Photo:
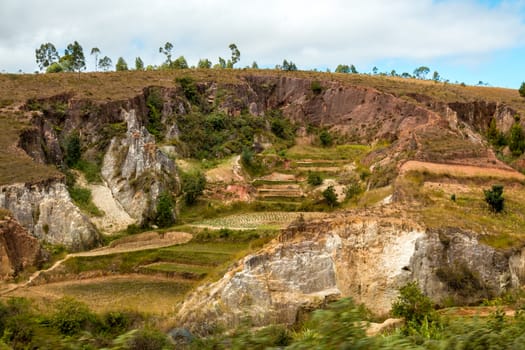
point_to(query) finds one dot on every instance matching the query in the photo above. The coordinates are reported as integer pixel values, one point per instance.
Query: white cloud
(311, 33)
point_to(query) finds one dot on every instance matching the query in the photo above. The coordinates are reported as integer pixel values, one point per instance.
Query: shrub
(164, 216)
(516, 140)
(494, 198)
(72, 150)
(339, 326)
(154, 103)
(71, 316)
(316, 87)
(416, 308)
(522, 89)
(189, 89)
(193, 185)
(326, 138)
(330, 196)
(314, 179)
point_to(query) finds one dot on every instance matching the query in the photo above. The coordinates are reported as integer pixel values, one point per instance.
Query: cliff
(367, 256)
(18, 249)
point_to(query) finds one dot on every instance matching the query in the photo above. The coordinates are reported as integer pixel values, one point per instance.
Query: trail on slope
(156, 240)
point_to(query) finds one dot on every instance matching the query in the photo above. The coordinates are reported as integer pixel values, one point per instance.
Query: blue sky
(464, 40)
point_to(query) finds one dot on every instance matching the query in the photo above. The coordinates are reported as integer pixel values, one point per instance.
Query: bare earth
(461, 170)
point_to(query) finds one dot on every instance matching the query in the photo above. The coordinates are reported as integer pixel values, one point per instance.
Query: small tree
(421, 72)
(179, 63)
(255, 65)
(516, 139)
(121, 65)
(165, 206)
(436, 77)
(330, 196)
(289, 66)
(139, 64)
(72, 150)
(314, 179)
(166, 50)
(73, 58)
(236, 55)
(342, 68)
(415, 307)
(522, 89)
(95, 51)
(105, 63)
(494, 198)
(326, 138)
(46, 55)
(204, 64)
(193, 185)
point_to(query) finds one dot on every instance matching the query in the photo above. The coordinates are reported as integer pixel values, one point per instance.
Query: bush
(339, 326)
(164, 216)
(326, 138)
(193, 185)
(314, 179)
(82, 198)
(416, 308)
(494, 198)
(189, 89)
(316, 87)
(71, 316)
(522, 89)
(516, 140)
(155, 104)
(330, 196)
(72, 150)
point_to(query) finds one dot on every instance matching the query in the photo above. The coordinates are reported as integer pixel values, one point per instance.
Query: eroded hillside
(406, 161)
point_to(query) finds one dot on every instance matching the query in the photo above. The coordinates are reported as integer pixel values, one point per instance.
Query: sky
(463, 40)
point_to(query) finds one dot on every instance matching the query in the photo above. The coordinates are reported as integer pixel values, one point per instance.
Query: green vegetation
(494, 198)
(72, 150)
(82, 198)
(154, 103)
(193, 185)
(121, 65)
(316, 87)
(330, 196)
(522, 89)
(326, 138)
(164, 215)
(314, 179)
(67, 323)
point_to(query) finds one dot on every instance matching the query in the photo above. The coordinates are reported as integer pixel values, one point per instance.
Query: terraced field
(247, 221)
(150, 281)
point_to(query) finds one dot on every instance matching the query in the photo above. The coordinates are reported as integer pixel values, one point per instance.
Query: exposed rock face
(136, 171)
(367, 257)
(46, 211)
(18, 249)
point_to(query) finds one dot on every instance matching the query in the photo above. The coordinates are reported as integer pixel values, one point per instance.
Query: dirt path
(461, 170)
(153, 240)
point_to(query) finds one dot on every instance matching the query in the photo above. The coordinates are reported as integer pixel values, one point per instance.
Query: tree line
(73, 60)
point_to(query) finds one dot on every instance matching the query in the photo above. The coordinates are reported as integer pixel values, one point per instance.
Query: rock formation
(18, 249)
(367, 256)
(45, 209)
(136, 171)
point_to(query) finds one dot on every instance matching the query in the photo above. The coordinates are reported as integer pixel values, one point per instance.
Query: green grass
(151, 295)
(342, 152)
(183, 269)
(470, 211)
(82, 198)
